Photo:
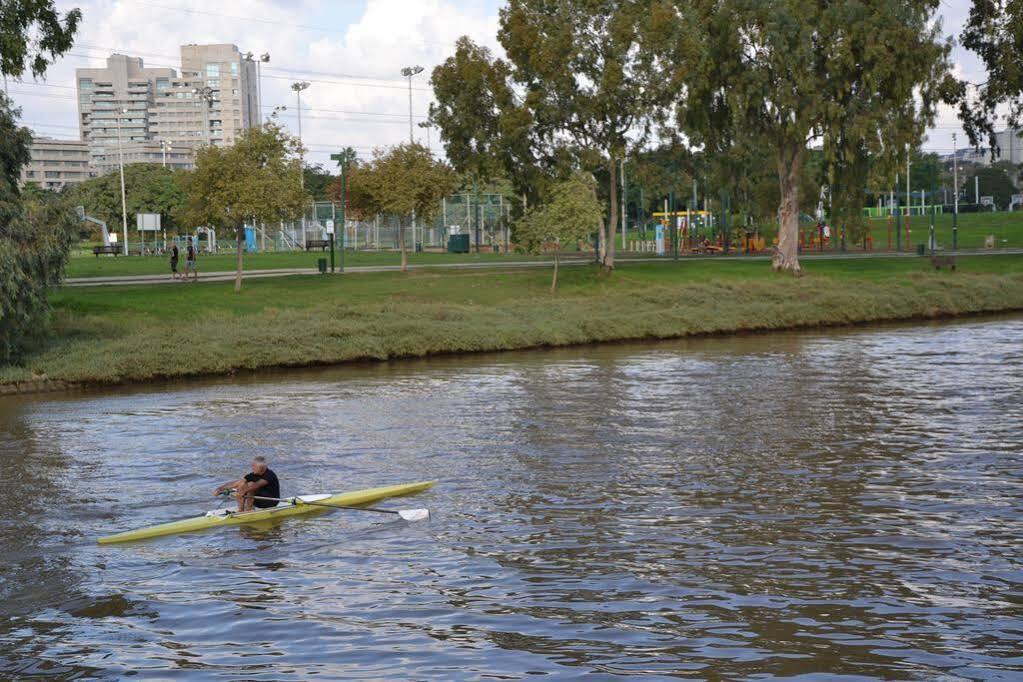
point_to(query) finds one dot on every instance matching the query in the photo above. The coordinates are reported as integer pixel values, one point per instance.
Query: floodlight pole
(955, 194)
(409, 72)
(298, 88)
(120, 165)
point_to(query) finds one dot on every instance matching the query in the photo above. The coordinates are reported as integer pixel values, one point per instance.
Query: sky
(351, 52)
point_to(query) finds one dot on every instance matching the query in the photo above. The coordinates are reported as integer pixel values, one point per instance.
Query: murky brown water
(846, 504)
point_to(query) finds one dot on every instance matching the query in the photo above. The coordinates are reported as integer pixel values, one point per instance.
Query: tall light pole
(120, 164)
(298, 88)
(205, 93)
(262, 59)
(164, 146)
(955, 194)
(409, 72)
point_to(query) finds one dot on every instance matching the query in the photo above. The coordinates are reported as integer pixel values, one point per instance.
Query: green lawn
(138, 333)
(1007, 229)
(973, 227)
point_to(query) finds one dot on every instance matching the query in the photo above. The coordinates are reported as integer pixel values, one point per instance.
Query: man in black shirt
(260, 482)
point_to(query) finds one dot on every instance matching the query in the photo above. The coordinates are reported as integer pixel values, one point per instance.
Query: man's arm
(227, 486)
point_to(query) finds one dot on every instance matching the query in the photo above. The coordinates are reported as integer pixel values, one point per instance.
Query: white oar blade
(414, 514)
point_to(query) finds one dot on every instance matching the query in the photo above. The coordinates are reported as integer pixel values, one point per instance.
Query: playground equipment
(80, 210)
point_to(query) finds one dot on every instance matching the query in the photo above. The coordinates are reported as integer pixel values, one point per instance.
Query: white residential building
(211, 102)
(56, 164)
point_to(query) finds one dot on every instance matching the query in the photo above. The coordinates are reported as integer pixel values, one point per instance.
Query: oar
(407, 514)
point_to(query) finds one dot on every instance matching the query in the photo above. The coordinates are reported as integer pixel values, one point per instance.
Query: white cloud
(352, 54)
(352, 61)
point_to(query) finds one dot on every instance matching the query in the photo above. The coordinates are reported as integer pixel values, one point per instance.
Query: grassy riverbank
(109, 335)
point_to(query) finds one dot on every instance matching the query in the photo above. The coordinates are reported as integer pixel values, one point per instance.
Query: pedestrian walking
(174, 261)
(191, 255)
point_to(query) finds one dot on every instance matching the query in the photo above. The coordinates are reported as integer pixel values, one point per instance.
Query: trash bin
(322, 263)
(458, 243)
(921, 249)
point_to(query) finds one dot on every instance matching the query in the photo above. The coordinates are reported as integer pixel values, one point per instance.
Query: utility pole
(164, 146)
(120, 164)
(955, 194)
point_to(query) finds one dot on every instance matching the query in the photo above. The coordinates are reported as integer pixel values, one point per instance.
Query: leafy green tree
(32, 35)
(993, 181)
(407, 181)
(576, 91)
(486, 130)
(149, 188)
(256, 179)
(317, 182)
(787, 73)
(994, 32)
(36, 234)
(568, 215)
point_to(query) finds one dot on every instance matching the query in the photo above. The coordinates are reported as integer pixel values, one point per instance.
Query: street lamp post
(164, 146)
(262, 59)
(409, 72)
(298, 88)
(205, 93)
(120, 164)
(955, 194)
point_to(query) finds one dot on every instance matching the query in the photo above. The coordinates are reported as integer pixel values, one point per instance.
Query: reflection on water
(784, 505)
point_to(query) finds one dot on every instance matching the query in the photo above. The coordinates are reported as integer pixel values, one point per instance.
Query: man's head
(258, 464)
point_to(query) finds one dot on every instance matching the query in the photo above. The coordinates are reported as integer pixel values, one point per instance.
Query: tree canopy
(36, 233)
(994, 31)
(149, 188)
(258, 178)
(568, 213)
(33, 34)
(860, 78)
(407, 181)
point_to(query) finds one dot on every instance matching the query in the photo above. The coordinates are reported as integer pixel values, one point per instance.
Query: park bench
(322, 244)
(111, 249)
(940, 262)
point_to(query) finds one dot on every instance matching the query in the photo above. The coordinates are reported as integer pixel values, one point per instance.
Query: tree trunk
(554, 279)
(790, 169)
(240, 234)
(608, 259)
(401, 246)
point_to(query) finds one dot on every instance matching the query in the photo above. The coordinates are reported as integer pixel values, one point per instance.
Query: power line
(306, 27)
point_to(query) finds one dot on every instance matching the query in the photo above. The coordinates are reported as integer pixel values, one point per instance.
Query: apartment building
(211, 102)
(176, 157)
(57, 163)
(114, 102)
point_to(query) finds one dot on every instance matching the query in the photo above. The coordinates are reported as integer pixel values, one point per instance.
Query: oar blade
(414, 514)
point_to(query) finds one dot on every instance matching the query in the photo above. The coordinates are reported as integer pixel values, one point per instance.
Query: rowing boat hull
(350, 499)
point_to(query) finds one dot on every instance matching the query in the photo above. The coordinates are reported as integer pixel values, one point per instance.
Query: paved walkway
(224, 276)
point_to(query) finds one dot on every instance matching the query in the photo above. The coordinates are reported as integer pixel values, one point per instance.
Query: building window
(85, 84)
(212, 70)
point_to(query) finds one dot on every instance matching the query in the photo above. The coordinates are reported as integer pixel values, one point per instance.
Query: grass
(1007, 229)
(121, 334)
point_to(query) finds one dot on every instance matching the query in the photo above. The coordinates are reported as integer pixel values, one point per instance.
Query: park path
(224, 276)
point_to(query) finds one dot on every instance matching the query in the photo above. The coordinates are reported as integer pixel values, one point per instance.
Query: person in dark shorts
(260, 482)
(191, 254)
(174, 261)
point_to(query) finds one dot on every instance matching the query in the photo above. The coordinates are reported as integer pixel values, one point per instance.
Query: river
(842, 503)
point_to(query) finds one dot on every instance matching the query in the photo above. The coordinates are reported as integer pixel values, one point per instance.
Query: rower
(261, 482)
